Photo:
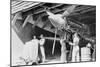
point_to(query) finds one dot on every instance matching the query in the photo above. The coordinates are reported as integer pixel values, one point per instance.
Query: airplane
(59, 20)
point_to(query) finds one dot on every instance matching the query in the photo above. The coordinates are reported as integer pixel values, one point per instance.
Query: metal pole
(54, 42)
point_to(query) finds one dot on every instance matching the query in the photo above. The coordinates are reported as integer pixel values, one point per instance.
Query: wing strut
(54, 41)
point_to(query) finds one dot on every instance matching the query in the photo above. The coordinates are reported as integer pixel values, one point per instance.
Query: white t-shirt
(42, 42)
(76, 41)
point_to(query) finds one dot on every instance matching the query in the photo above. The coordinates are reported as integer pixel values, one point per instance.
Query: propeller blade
(49, 13)
(69, 10)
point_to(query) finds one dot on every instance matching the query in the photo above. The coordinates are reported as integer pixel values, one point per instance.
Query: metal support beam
(26, 20)
(54, 42)
(17, 16)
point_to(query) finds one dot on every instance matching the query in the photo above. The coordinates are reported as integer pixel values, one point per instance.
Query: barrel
(85, 54)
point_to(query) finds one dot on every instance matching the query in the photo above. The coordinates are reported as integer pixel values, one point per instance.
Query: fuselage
(57, 20)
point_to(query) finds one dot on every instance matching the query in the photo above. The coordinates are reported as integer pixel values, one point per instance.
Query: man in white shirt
(63, 50)
(41, 42)
(75, 51)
